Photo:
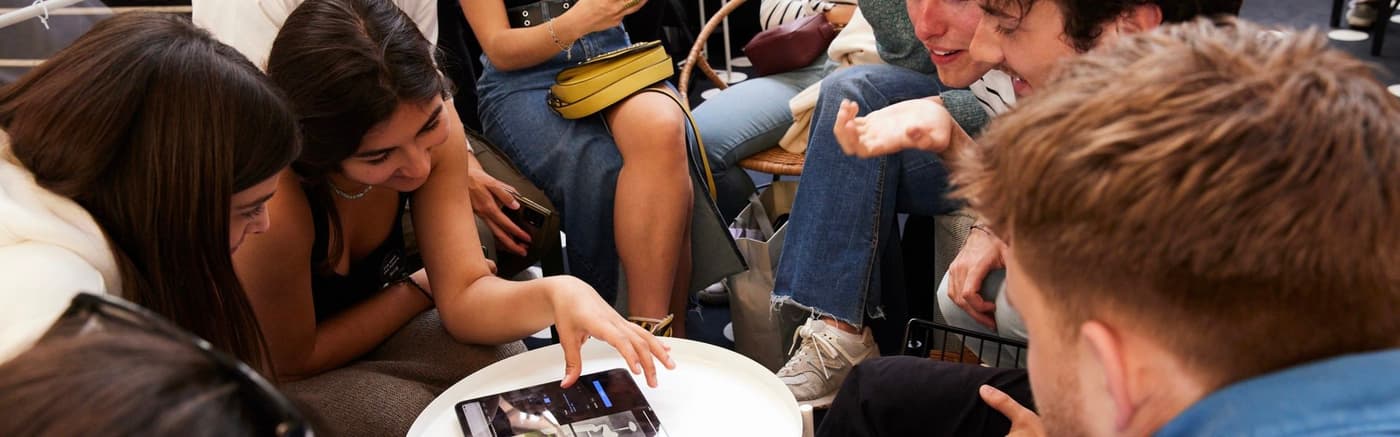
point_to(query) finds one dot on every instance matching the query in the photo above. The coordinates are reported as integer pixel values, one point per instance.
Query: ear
(1139, 19)
(1105, 346)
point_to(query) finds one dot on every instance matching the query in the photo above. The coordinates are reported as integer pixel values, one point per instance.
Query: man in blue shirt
(1209, 243)
(1202, 234)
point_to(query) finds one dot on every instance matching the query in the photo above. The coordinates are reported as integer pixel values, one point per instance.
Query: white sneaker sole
(1359, 23)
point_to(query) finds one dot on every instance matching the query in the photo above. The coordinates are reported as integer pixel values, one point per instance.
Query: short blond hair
(1233, 191)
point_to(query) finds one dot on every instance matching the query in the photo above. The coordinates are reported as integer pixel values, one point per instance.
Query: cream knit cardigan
(50, 249)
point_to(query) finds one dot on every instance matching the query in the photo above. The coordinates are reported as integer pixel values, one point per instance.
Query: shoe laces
(822, 346)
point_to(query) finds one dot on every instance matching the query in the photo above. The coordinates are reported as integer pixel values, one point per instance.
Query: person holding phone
(346, 307)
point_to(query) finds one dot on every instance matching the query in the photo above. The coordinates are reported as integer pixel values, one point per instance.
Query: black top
(388, 263)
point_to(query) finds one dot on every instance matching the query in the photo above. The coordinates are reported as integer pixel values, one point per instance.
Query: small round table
(713, 391)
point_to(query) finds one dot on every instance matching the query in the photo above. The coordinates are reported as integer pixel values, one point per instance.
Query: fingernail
(985, 389)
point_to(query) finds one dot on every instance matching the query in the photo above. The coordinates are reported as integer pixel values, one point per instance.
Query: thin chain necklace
(348, 196)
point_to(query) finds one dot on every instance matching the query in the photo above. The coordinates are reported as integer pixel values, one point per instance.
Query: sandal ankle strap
(658, 327)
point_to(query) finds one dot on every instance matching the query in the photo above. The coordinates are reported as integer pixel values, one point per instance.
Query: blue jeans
(575, 162)
(745, 119)
(844, 216)
(1009, 323)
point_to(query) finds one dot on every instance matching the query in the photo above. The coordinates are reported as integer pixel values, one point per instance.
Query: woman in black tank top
(331, 281)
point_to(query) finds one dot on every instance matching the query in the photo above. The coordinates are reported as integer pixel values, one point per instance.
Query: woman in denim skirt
(620, 177)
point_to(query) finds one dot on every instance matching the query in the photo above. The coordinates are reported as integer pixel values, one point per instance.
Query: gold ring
(630, 4)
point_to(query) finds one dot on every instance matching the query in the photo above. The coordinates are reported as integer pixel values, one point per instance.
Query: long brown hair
(345, 66)
(152, 125)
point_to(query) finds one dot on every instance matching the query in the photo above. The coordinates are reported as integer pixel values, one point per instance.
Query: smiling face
(249, 213)
(396, 153)
(946, 28)
(1027, 47)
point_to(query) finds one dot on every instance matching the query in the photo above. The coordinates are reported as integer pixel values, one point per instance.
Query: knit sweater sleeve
(40, 280)
(965, 109)
(894, 35)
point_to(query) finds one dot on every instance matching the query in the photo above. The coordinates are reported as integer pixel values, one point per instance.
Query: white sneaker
(825, 355)
(1363, 13)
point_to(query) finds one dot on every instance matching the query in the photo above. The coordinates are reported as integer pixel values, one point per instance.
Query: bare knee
(649, 127)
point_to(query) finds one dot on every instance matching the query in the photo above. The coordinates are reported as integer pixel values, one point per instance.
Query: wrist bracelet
(983, 228)
(412, 283)
(568, 49)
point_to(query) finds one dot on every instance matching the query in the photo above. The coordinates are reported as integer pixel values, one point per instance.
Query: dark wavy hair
(126, 384)
(152, 125)
(345, 65)
(1084, 18)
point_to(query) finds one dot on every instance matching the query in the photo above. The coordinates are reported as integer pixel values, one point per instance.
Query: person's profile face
(248, 213)
(1027, 46)
(397, 153)
(946, 27)
(1053, 356)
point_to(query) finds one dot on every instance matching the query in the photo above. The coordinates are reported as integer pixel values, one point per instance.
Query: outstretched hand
(922, 124)
(580, 314)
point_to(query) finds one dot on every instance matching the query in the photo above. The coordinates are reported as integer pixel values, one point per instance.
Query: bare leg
(653, 202)
(841, 325)
(680, 294)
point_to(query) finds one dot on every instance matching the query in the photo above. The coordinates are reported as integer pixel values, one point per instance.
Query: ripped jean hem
(874, 312)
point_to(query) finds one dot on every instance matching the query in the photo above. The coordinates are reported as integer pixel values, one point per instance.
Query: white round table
(713, 391)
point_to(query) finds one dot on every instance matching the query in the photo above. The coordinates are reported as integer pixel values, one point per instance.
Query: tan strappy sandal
(657, 327)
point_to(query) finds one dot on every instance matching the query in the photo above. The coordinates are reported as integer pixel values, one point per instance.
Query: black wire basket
(923, 338)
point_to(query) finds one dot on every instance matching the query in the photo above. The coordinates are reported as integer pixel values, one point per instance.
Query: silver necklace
(348, 196)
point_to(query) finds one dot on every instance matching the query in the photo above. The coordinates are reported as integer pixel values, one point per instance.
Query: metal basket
(923, 338)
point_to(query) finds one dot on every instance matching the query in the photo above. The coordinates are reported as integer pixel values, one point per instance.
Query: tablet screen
(603, 404)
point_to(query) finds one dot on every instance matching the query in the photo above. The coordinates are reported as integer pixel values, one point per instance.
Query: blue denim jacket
(1349, 395)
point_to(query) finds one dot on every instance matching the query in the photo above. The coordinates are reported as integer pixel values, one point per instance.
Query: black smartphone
(607, 403)
(530, 217)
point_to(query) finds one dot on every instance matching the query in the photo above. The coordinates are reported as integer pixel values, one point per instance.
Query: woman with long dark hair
(343, 299)
(137, 160)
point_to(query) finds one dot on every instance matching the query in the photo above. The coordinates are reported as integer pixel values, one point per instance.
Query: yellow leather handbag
(603, 80)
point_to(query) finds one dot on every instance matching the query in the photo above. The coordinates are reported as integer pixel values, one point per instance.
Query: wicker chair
(775, 160)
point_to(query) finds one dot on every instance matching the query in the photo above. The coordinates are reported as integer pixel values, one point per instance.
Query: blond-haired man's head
(1189, 208)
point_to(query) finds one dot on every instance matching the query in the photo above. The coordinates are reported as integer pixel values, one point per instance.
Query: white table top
(713, 391)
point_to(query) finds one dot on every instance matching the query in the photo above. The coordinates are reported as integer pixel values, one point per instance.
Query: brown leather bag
(791, 46)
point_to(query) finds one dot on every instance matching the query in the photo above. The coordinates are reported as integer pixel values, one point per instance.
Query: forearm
(359, 330)
(958, 142)
(493, 310)
(525, 47)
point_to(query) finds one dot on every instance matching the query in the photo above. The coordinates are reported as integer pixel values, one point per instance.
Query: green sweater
(894, 35)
